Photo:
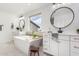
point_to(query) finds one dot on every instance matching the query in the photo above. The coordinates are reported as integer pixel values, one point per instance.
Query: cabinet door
(75, 47)
(46, 40)
(63, 48)
(53, 47)
(46, 45)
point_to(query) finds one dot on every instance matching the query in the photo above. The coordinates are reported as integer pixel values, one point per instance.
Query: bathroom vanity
(64, 45)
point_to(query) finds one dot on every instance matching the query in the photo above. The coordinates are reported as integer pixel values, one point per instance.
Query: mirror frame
(52, 19)
(21, 28)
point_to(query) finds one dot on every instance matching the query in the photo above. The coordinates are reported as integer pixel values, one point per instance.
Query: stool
(34, 50)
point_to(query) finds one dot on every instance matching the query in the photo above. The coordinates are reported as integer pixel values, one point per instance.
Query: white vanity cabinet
(50, 46)
(75, 45)
(53, 46)
(46, 42)
(63, 45)
(56, 46)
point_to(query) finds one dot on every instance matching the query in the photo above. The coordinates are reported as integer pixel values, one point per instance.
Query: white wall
(46, 25)
(5, 20)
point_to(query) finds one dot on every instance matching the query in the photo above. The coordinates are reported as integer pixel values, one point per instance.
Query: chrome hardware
(76, 47)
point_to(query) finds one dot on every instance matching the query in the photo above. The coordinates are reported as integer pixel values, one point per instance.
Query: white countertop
(70, 34)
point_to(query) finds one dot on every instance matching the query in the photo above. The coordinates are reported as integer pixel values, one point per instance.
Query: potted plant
(77, 31)
(34, 34)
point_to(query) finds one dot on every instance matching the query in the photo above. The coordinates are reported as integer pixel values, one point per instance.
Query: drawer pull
(76, 47)
(76, 38)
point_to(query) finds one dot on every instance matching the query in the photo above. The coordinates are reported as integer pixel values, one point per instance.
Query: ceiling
(20, 8)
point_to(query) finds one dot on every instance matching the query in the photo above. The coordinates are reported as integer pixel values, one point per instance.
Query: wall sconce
(12, 25)
(1, 27)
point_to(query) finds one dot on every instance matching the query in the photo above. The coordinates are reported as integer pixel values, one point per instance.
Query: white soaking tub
(23, 43)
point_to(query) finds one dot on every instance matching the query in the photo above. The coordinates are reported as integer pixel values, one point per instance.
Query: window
(36, 21)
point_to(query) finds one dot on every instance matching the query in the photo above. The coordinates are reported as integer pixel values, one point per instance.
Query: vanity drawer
(75, 38)
(75, 47)
(63, 37)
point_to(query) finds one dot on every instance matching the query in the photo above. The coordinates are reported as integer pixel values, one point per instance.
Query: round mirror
(62, 17)
(21, 24)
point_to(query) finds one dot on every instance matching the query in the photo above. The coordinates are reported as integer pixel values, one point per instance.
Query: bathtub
(23, 43)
